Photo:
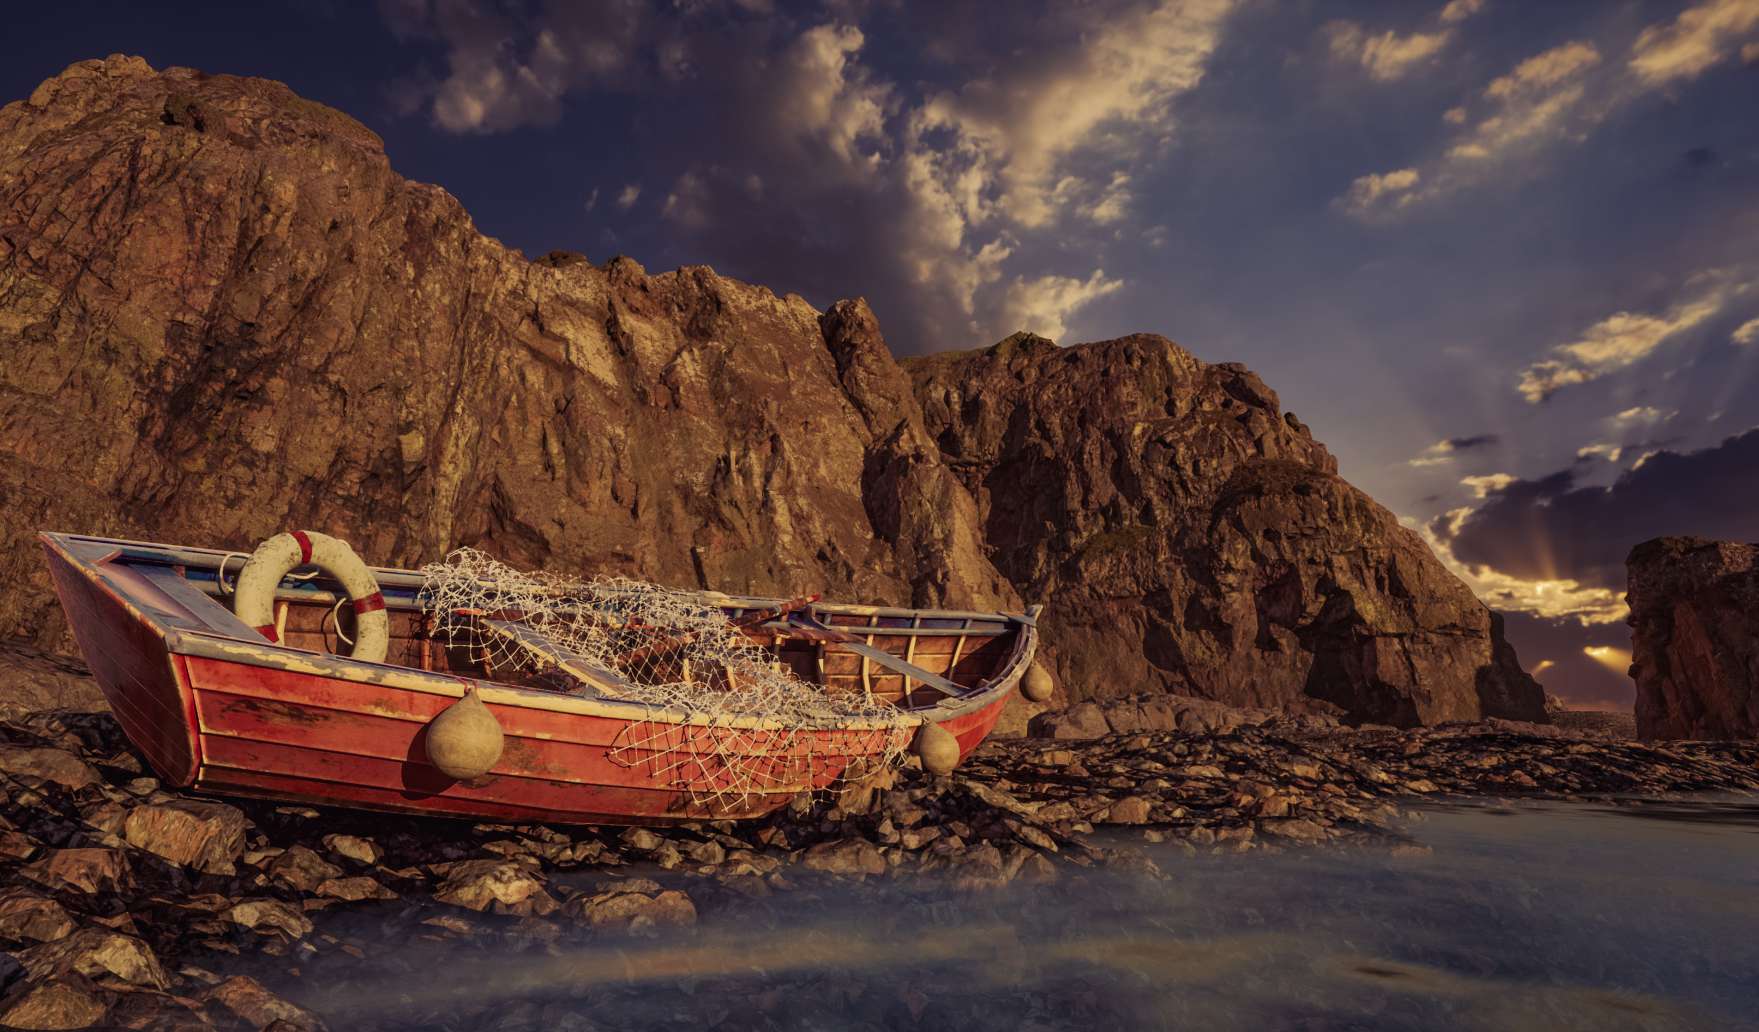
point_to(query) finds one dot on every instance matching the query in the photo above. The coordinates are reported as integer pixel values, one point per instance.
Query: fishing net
(726, 719)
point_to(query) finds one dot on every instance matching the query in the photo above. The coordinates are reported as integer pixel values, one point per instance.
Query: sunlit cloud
(1560, 94)
(1388, 55)
(1699, 38)
(1557, 599)
(1644, 414)
(1615, 659)
(1385, 55)
(1484, 485)
(1370, 190)
(1618, 341)
(1746, 333)
(1447, 449)
(1040, 305)
(627, 196)
(1459, 10)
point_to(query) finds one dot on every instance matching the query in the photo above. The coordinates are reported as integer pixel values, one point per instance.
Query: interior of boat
(909, 658)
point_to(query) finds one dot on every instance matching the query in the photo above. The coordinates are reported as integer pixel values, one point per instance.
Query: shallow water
(1545, 916)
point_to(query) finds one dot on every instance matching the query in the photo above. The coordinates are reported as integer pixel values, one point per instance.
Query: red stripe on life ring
(304, 547)
(376, 600)
(268, 631)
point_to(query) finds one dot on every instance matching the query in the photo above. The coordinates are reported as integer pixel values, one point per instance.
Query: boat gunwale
(402, 578)
(211, 642)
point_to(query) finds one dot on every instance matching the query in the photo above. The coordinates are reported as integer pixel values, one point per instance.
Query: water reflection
(1543, 917)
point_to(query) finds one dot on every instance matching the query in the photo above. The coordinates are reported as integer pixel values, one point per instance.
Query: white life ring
(254, 602)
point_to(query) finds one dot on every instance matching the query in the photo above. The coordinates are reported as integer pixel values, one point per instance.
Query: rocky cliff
(223, 314)
(1695, 638)
(1194, 538)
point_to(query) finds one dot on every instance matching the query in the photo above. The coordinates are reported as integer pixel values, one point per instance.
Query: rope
(227, 589)
(336, 618)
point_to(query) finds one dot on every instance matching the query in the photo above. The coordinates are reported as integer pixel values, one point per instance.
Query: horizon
(1559, 202)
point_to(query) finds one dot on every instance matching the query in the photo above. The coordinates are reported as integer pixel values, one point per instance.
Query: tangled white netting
(727, 719)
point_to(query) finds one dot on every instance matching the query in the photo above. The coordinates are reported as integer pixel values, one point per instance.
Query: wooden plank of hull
(317, 692)
(129, 660)
(337, 778)
(614, 810)
(327, 740)
(970, 729)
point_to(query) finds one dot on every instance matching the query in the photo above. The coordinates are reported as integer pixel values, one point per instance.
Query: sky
(1501, 255)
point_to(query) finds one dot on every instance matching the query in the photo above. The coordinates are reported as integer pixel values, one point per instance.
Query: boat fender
(937, 748)
(254, 601)
(465, 740)
(1037, 685)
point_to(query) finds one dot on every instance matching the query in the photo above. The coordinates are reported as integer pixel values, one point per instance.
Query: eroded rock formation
(1695, 638)
(223, 314)
(1192, 537)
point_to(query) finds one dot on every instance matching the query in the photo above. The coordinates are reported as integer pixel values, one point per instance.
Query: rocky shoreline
(125, 905)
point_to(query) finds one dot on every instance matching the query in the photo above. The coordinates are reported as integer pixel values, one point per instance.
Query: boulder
(302, 869)
(205, 836)
(55, 765)
(1695, 638)
(248, 1000)
(60, 1004)
(89, 870)
(95, 953)
(28, 916)
(503, 886)
(353, 889)
(632, 911)
(851, 857)
(360, 850)
(270, 913)
(37, 679)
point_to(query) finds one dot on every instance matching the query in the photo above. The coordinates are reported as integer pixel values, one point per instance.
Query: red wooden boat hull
(234, 716)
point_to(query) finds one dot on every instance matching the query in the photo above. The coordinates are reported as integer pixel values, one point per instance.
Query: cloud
(1535, 100)
(1387, 56)
(1443, 451)
(1539, 99)
(688, 204)
(1011, 133)
(1556, 649)
(1042, 304)
(1368, 191)
(627, 196)
(1553, 598)
(1484, 485)
(1643, 414)
(1459, 10)
(1620, 340)
(948, 188)
(1699, 38)
(1552, 530)
(1544, 71)
(1564, 93)
(1746, 333)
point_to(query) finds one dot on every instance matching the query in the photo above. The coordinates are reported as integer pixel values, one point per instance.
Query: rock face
(1695, 638)
(1192, 537)
(224, 316)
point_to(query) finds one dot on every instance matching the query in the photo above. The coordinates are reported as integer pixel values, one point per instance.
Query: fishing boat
(298, 673)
